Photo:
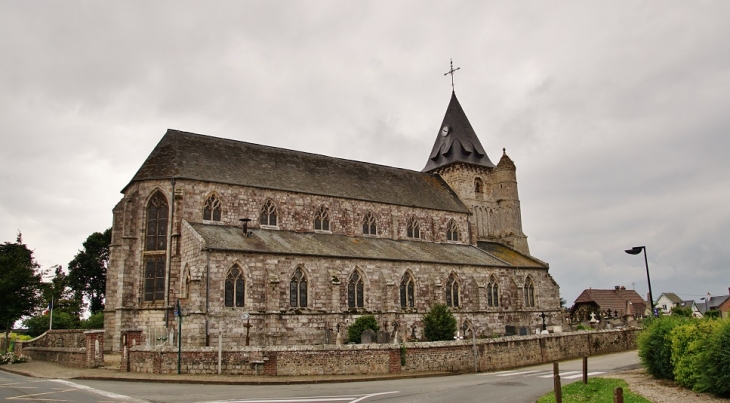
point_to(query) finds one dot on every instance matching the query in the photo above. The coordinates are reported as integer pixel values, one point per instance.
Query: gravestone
(509, 330)
(367, 337)
(523, 331)
(383, 337)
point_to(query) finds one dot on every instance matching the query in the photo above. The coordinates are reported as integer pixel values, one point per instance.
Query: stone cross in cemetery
(248, 325)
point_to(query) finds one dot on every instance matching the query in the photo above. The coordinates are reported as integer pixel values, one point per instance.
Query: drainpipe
(169, 252)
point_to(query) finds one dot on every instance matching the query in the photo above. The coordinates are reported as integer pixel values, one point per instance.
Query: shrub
(689, 353)
(679, 311)
(718, 359)
(354, 331)
(11, 358)
(37, 325)
(95, 321)
(439, 323)
(655, 346)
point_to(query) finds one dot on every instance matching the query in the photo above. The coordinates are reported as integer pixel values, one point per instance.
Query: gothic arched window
(355, 291)
(322, 219)
(154, 277)
(452, 231)
(493, 292)
(369, 226)
(478, 185)
(407, 291)
(268, 214)
(298, 289)
(235, 287)
(452, 291)
(529, 291)
(212, 208)
(413, 228)
(157, 211)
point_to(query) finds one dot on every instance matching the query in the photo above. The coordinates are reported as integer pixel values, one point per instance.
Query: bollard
(618, 395)
(556, 383)
(585, 369)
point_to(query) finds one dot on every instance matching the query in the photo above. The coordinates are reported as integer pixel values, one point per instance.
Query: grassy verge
(598, 390)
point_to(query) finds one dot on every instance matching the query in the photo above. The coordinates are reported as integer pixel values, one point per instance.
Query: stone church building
(304, 243)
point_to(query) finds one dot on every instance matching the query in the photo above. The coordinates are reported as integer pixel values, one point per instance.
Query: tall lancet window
(298, 289)
(155, 258)
(212, 209)
(452, 291)
(322, 219)
(355, 291)
(407, 291)
(529, 291)
(235, 287)
(268, 214)
(369, 226)
(493, 292)
(413, 228)
(157, 211)
(452, 231)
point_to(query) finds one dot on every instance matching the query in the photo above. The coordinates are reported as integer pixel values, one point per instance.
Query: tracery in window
(452, 231)
(407, 291)
(154, 278)
(493, 292)
(298, 289)
(235, 287)
(452, 291)
(355, 291)
(478, 185)
(157, 211)
(369, 226)
(322, 219)
(268, 213)
(212, 209)
(529, 292)
(413, 229)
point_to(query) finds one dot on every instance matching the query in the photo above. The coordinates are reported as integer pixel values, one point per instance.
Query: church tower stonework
(489, 191)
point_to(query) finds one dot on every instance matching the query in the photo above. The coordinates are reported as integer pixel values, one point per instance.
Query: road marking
(337, 398)
(31, 397)
(562, 374)
(97, 391)
(516, 373)
(579, 375)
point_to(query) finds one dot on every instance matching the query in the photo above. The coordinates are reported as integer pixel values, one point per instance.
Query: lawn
(598, 390)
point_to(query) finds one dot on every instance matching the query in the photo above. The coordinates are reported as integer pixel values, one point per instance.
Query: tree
(20, 283)
(64, 298)
(87, 271)
(354, 331)
(439, 323)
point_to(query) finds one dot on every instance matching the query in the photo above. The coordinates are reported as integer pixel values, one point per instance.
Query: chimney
(245, 225)
(623, 287)
(616, 287)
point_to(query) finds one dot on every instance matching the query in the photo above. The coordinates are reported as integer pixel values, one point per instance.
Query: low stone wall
(74, 348)
(452, 356)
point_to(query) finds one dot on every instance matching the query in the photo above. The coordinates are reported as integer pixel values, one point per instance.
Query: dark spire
(456, 141)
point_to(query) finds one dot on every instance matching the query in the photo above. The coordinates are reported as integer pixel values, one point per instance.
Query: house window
(322, 219)
(157, 210)
(212, 209)
(452, 291)
(452, 231)
(355, 291)
(529, 291)
(407, 291)
(154, 278)
(235, 287)
(268, 214)
(413, 228)
(493, 292)
(478, 185)
(369, 226)
(298, 289)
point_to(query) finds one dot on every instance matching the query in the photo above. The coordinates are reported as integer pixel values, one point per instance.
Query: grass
(598, 390)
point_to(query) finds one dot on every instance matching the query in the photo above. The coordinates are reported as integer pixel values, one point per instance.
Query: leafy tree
(439, 323)
(20, 283)
(63, 297)
(87, 271)
(679, 311)
(95, 321)
(38, 324)
(354, 331)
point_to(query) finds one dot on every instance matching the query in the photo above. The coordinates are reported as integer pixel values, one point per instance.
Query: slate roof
(672, 297)
(712, 304)
(184, 155)
(230, 238)
(456, 141)
(510, 256)
(614, 300)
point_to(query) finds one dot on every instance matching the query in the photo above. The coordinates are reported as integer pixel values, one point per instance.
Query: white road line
(517, 373)
(339, 398)
(581, 374)
(562, 374)
(97, 391)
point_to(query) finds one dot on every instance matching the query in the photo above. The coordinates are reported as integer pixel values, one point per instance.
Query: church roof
(509, 255)
(456, 141)
(184, 155)
(230, 238)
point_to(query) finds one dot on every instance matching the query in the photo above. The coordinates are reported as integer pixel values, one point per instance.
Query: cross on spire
(452, 71)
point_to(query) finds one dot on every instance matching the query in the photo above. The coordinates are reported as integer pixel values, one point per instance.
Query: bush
(679, 311)
(354, 331)
(718, 359)
(655, 346)
(11, 358)
(439, 323)
(37, 325)
(689, 353)
(95, 321)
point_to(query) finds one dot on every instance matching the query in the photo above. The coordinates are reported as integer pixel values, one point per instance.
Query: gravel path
(661, 391)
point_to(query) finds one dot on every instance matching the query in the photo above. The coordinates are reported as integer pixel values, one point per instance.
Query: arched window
(452, 231)
(369, 226)
(212, 208)
(154, 277)
(322, 219)
(235, 287)
(452, 291)
(298, 289)
(268, 213)
(355, 291)
(407, 291)
(413, 228)
(529, 291)
(157, 210)
(493, 292)
(478, 185)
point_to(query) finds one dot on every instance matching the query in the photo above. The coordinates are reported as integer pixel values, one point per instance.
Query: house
(692, 305)
(719, 303)
(618, 302)
(667, 301)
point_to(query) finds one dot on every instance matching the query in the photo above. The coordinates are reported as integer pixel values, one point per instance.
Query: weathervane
(452, 71)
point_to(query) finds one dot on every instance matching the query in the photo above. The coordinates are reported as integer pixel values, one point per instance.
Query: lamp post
(635, 251)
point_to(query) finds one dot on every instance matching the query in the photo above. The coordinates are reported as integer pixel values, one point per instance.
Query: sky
(615, 113)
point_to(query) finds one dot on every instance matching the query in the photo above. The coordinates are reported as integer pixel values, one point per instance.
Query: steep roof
(456, 141)
(184, 155)
(230, 238)
(614, 300)
(672, 297)
(510, 255)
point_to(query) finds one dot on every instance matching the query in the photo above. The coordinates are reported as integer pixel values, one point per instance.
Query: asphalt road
(519, 385)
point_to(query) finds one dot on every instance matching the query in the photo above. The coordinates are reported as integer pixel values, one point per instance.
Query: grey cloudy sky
(616, 113)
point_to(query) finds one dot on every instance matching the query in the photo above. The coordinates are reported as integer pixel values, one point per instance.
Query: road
(519, 385)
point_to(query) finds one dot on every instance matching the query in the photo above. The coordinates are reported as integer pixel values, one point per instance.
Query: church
(271, 246)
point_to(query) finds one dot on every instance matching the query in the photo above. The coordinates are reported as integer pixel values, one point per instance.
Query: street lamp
(635, 251)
